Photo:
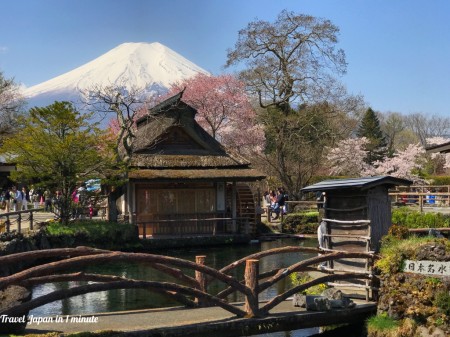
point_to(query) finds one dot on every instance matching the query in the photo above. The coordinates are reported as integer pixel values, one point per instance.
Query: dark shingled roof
(359, 183)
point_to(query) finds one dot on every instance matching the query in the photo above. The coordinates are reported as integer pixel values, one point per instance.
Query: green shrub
(408, 218)
(394, 251)
(442, 301)
(100, 233)
(439, 180)
(301, 223)
(302, 278)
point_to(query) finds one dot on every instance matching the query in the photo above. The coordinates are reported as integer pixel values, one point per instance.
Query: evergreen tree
(376, 146)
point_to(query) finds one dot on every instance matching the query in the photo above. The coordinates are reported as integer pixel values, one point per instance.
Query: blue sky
(398, 51)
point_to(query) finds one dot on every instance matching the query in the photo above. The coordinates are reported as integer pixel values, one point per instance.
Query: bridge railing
(17, 219)
(188, 287)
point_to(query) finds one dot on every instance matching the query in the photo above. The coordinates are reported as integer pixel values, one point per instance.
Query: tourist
(48, 200)
(16, 198)
(25, 199)
(6, 200)
(279, 203)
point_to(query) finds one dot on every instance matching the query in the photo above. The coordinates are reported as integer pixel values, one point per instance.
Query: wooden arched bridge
(189, 290)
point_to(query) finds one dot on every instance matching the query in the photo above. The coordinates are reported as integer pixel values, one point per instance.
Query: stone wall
(419, 299)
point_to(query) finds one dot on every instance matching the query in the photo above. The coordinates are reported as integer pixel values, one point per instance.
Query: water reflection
(133, 299)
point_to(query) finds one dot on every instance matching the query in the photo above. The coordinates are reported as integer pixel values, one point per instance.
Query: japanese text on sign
(437, 268)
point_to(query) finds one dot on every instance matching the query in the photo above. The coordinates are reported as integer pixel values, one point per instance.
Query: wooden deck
(205, 321)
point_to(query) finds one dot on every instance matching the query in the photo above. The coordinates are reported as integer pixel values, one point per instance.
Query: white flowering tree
(348, 158)
(403, 164)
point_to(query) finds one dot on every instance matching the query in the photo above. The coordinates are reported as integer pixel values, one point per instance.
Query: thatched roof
(246, 174)
(170, 144)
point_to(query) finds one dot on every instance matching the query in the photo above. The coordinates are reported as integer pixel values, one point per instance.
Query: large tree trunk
(113, 196)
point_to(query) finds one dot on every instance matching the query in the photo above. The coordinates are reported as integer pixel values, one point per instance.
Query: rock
(10, 297)
(424, 332)
(299, 300)
(333, 294)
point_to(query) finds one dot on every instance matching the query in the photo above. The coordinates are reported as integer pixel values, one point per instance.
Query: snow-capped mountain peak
(141, 65)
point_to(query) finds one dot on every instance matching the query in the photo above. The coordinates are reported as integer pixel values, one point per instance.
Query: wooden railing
(192, 292)
(210, 226)
(17, 218)
(431, 199)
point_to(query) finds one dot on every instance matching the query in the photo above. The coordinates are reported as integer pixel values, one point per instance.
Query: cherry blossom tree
(348, 158)
(403, 164)
(224, 110)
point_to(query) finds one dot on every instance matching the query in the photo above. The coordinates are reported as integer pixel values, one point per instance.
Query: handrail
(236, 222)
(7, 223)
(250, 287)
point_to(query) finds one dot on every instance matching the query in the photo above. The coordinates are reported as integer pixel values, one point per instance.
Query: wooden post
(31, 220)
(421, 202)
(251, 281)
(19, 222)
(234, 207)
(144, 229)
(8, 224)
(201, 279)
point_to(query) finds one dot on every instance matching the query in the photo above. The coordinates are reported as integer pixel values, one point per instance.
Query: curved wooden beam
(155, 286)
(332, 277)
(259, 255)
(49, 268)
(46, 253)
(302, 265)
(81, 276)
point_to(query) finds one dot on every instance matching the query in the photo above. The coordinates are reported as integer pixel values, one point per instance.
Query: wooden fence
(17, 219)
(211, 226)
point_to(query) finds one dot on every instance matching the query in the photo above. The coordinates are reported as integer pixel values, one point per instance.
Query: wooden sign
(436, 268)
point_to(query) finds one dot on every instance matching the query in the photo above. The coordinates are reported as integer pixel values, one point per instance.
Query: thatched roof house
(179, 172)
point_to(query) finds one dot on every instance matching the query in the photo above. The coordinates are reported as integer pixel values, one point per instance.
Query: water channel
(133, 299)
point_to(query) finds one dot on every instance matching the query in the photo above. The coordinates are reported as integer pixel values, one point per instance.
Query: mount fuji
(152, 66)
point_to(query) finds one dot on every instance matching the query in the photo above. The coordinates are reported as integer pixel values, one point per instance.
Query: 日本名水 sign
(437, 268)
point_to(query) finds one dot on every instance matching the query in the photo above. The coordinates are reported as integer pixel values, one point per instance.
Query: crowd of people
(275, 200)
(18, 199)
(14, 199)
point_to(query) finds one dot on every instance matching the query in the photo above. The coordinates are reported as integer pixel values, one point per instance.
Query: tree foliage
(288, 60)
(295, 143)
(348, 158)
(126, 104)
(57, 147)
(289, 65)
(11, 103)
(426, 126)
(376, 143)
(223, 110)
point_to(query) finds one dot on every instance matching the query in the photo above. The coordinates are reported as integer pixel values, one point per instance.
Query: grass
(382, 322)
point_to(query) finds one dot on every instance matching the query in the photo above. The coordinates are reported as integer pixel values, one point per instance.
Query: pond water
(133, 299)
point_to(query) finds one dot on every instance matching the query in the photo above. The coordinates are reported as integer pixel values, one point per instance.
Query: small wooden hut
(356, 215)
(183, 181)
